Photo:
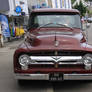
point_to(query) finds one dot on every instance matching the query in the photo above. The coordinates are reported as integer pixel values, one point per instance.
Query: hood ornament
(56, 43)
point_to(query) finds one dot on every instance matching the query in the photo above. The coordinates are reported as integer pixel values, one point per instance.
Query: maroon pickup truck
(55, 48)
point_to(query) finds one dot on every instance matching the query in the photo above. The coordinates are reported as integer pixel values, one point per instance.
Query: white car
(89, 19)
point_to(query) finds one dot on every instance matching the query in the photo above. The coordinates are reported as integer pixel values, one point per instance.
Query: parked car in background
(89, 20)
(55, 48)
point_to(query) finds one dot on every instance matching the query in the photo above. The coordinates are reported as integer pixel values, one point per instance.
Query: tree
(81, 8)
(72, 1)
(88, 0)
(90, 13)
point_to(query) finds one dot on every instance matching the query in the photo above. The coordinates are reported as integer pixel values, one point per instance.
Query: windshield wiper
(38, 27)
(55, 24)
(65, 26)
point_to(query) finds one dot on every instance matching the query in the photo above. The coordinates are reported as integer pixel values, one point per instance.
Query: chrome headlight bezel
(24, 59)
(87, 59)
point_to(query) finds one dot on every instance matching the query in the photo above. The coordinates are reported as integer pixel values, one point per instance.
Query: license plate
(56, 77)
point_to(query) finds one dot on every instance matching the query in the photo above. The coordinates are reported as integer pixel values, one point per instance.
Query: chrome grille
(66, 59)
(56, 59)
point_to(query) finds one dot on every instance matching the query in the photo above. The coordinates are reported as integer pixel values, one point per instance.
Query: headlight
(87, 61)
(24, 60)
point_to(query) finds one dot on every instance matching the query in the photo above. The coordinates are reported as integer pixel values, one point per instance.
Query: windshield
(70, 20)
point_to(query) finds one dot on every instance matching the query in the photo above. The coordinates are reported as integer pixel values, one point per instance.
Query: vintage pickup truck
(55, 48)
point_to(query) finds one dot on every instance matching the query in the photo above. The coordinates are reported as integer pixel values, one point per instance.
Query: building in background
(14, 3)
(23, 5)
(8, 7)
(20, 12)
(51, 3)
(66, 4)
(16, 12)
(4, 5)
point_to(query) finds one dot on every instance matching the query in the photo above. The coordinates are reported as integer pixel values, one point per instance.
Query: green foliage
(90, 13)
(72, 1)
(81, 8)
(86, 0)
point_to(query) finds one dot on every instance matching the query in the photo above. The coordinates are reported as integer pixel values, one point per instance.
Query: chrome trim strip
(55, 58)
(46, 76)
(77, 76)
(32, 76)
(70, 63)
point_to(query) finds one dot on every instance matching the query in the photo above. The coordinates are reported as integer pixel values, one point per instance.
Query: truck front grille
(48, 59)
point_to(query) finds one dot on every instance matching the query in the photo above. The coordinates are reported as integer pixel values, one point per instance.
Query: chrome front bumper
(46, 76)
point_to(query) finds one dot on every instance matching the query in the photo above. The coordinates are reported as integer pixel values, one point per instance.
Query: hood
(56, 40)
